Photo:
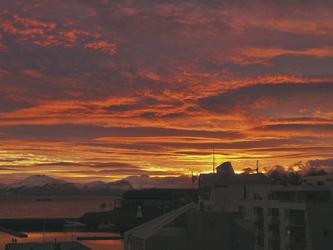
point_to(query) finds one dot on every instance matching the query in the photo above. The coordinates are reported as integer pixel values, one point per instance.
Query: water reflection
(67, 236)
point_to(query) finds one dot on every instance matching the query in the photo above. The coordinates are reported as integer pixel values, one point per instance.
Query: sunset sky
(111, 89)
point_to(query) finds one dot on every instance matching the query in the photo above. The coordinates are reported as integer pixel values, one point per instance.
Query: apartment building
(284, 217)
(222, 191)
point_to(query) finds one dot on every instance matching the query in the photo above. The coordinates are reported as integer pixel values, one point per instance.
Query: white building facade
(285, 217)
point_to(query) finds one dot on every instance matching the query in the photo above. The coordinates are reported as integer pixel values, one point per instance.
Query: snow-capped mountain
(37, 185)
(36, 181)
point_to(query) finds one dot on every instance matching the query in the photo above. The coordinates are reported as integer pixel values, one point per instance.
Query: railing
(274, 235)
(274, 219)
(304, 201)
(259, 217)
(241, 215)
(296, 222)
(259, 232)
(297, 240)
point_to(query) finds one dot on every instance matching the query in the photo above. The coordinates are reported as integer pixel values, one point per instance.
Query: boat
(106, 226)
(73, 224)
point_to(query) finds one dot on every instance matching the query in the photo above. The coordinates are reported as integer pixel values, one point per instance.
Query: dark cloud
(9, 104)
(311, 129)
(120, 108)
(248, 170)
(83, 132)
(244, 99)
(321, 163)
(158, 82)
(277, 168)
(60, 164)
(122, 166)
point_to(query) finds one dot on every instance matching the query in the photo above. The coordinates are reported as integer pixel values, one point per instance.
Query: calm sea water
(59, 207)
(66, 236)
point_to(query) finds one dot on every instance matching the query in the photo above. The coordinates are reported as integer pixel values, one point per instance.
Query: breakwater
(14, 233)
(33, 225)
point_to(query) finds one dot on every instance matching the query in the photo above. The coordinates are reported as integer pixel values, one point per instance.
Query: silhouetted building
(223, 190)
(292, 217)
(245, 212)
(184, 228)
(157, 201)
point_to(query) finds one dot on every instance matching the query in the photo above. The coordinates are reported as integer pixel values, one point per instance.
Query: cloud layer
(110, 89)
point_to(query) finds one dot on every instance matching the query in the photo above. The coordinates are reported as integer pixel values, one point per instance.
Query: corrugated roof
(151, 227)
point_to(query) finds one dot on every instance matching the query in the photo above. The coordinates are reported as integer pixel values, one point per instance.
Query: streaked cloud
(123, 89)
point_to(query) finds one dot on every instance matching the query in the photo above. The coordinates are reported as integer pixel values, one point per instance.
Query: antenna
(257, 167)
(213, 158)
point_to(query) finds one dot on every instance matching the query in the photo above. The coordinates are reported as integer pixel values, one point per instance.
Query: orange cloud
(247, 56)
(104, 46)
(135, 87)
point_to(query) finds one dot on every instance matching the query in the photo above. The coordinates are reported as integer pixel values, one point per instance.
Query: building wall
(158, 242)
(275, 222)
(320, 225)
(211, 230)
(243, 239)
(227, 197)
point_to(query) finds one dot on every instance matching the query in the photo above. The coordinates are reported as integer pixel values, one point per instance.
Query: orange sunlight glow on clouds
(109, 90)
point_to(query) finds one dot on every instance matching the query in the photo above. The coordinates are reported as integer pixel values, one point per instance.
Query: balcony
(297, 240)
(274, 235)
(297, 222)
(259, 233)
(259, 217)
(274, 219)
(274, 244)
(241, 215)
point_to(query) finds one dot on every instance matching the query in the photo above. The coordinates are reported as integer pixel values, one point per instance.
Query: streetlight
(43, 200)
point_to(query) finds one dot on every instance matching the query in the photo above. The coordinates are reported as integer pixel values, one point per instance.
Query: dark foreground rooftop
(67, 245)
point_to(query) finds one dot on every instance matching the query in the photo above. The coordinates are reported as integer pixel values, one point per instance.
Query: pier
(66, 245)
(14, 233)
(100, 238)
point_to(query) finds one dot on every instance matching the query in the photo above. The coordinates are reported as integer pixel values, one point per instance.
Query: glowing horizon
(107, 90)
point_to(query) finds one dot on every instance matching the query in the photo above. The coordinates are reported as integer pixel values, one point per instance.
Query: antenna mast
(257, 167)
(213, 158)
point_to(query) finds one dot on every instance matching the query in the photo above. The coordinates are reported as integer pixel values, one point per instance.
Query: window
(287, 230)
(260, 195)
(260, 211)
(269, 196)
(275, 212)
(326, 233)
(260, 241)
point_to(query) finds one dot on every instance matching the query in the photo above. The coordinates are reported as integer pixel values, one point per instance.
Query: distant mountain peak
(36, 181)
(37, 185)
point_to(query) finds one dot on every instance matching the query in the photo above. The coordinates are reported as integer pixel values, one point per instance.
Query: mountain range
(43, 185)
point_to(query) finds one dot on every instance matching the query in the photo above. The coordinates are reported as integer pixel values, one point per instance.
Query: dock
(66, 245)
(100, 238)
(14, 233)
